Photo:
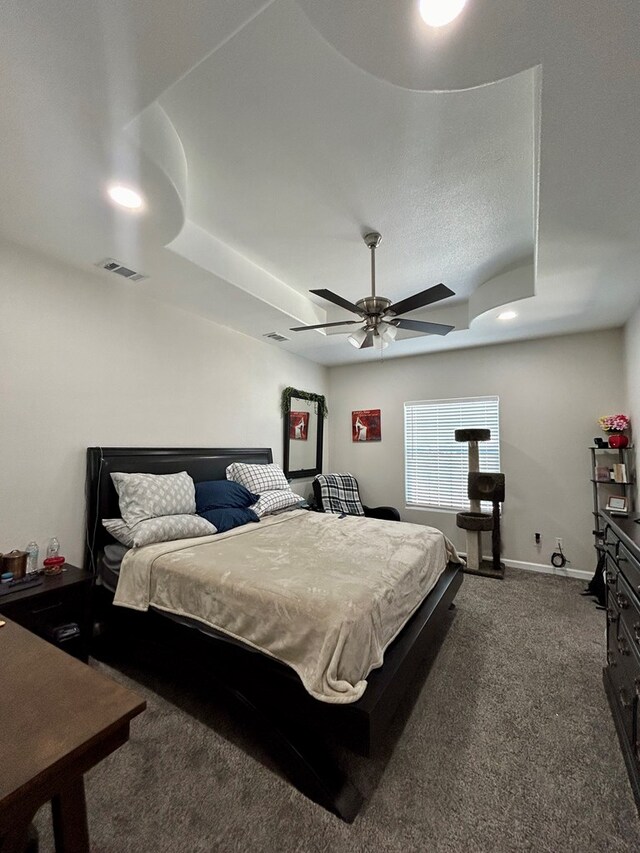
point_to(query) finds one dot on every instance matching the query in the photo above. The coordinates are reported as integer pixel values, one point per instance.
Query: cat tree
(481, 486)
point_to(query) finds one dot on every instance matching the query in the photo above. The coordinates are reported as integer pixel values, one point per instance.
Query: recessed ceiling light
(438, 13)
(125, 197)
(507, 315)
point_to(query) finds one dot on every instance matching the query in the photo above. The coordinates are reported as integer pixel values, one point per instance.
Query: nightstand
(60, 600)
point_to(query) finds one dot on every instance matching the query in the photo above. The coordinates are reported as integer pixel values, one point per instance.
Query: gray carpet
(509, 746)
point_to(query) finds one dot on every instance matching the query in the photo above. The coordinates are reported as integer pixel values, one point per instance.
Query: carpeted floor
(509, 746)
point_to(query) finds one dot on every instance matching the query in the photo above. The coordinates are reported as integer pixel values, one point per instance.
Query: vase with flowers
(615, 425)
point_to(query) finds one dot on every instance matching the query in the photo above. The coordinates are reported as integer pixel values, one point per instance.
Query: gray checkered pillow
(258, 478)
(275, 500)
(143, 496)
(163, 529)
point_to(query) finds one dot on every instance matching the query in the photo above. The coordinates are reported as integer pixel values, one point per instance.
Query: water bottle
(53, 548)
(32, 560)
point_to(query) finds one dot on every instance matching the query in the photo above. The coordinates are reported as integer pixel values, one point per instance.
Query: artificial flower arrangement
(614, 423)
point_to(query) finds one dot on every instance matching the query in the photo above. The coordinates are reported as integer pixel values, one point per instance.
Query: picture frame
(618, 504)
(366, 425)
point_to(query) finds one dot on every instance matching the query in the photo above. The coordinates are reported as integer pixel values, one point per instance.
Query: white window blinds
(436, 465)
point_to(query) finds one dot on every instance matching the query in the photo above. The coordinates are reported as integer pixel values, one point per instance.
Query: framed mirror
(303, 417)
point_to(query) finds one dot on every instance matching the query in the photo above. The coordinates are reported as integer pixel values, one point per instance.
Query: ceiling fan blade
(368, 341)
(337, 300)
(326, 325)
(421, 326)
(420, 300)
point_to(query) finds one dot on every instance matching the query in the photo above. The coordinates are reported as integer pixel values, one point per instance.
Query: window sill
(432, 509)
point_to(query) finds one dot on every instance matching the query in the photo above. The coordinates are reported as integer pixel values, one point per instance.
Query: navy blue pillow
(226, 518)
(217, 494)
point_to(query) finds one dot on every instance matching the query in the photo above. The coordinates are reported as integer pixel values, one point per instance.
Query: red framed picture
(298, 425)
(365, 425)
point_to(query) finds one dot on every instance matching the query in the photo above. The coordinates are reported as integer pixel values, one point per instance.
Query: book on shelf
(619, 473)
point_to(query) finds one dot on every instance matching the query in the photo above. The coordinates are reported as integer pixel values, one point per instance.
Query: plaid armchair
(339, 493)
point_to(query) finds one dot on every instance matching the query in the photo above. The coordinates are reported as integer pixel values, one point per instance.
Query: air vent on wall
(275, 336)
(111, 265)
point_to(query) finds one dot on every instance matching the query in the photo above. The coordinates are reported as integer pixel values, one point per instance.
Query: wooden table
(59, 718)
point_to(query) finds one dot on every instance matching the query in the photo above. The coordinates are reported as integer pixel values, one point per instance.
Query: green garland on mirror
(318, 399)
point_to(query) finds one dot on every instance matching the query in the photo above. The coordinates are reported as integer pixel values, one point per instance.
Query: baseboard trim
(543, 569)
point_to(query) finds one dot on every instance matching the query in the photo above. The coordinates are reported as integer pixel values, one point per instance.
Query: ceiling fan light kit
(357, 338)
(378, 314)
(387, 332)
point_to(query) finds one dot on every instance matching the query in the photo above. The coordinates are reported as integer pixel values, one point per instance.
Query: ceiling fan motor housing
(376, 305)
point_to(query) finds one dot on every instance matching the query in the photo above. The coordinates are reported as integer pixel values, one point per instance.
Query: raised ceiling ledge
(155, 134)
(157, 140)
(502, 290)
(390, 41)
(202, 248)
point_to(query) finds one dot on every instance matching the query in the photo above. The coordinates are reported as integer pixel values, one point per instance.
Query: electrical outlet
(558, 542)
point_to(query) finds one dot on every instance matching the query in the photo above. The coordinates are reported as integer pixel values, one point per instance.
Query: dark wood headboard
(202, 463)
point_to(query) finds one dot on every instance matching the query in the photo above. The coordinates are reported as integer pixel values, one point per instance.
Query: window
(436, 465)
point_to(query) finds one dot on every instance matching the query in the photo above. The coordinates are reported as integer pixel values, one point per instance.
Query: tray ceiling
(496, 155)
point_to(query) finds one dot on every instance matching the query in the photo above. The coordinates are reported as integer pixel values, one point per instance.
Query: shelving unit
(603, 488)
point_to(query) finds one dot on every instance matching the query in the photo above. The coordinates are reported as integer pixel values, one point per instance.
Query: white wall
(86, 360)
(551, 391)
(632, 372)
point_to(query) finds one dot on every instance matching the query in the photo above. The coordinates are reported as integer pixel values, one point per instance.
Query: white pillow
(143, 496)
(275, 500)
(162, 529)
(258, 478)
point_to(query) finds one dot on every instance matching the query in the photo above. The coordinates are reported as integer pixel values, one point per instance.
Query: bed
(273, 691)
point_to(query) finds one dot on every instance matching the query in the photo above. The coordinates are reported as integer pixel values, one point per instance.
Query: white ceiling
(498, 155)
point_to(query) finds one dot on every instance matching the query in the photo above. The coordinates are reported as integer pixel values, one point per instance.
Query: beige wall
(551, 393)
(86, 360)
(632, 372)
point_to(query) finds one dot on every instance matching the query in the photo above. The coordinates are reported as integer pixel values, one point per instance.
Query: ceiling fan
(379, 315)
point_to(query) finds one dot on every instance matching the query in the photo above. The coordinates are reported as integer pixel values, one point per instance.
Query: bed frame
(294, 723)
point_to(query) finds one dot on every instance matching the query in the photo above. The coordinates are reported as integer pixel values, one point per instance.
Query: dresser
(621, 541)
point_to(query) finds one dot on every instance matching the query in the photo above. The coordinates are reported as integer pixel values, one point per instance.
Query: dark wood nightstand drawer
(60, 600)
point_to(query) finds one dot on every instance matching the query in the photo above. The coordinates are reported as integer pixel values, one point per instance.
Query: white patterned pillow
(275, 500)
(162, 529)
(143, 496)
(258, 478)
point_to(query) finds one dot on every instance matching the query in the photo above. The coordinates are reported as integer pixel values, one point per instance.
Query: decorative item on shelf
(615, 425)
(32, 560)
(600, 443)
(602, 474)
(15, 562)
(53, 548)
(618, 505)
(53, 565)
(618, 441)
(619, 473)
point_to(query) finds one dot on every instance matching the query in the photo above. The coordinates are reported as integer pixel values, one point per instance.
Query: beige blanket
(323, 594)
